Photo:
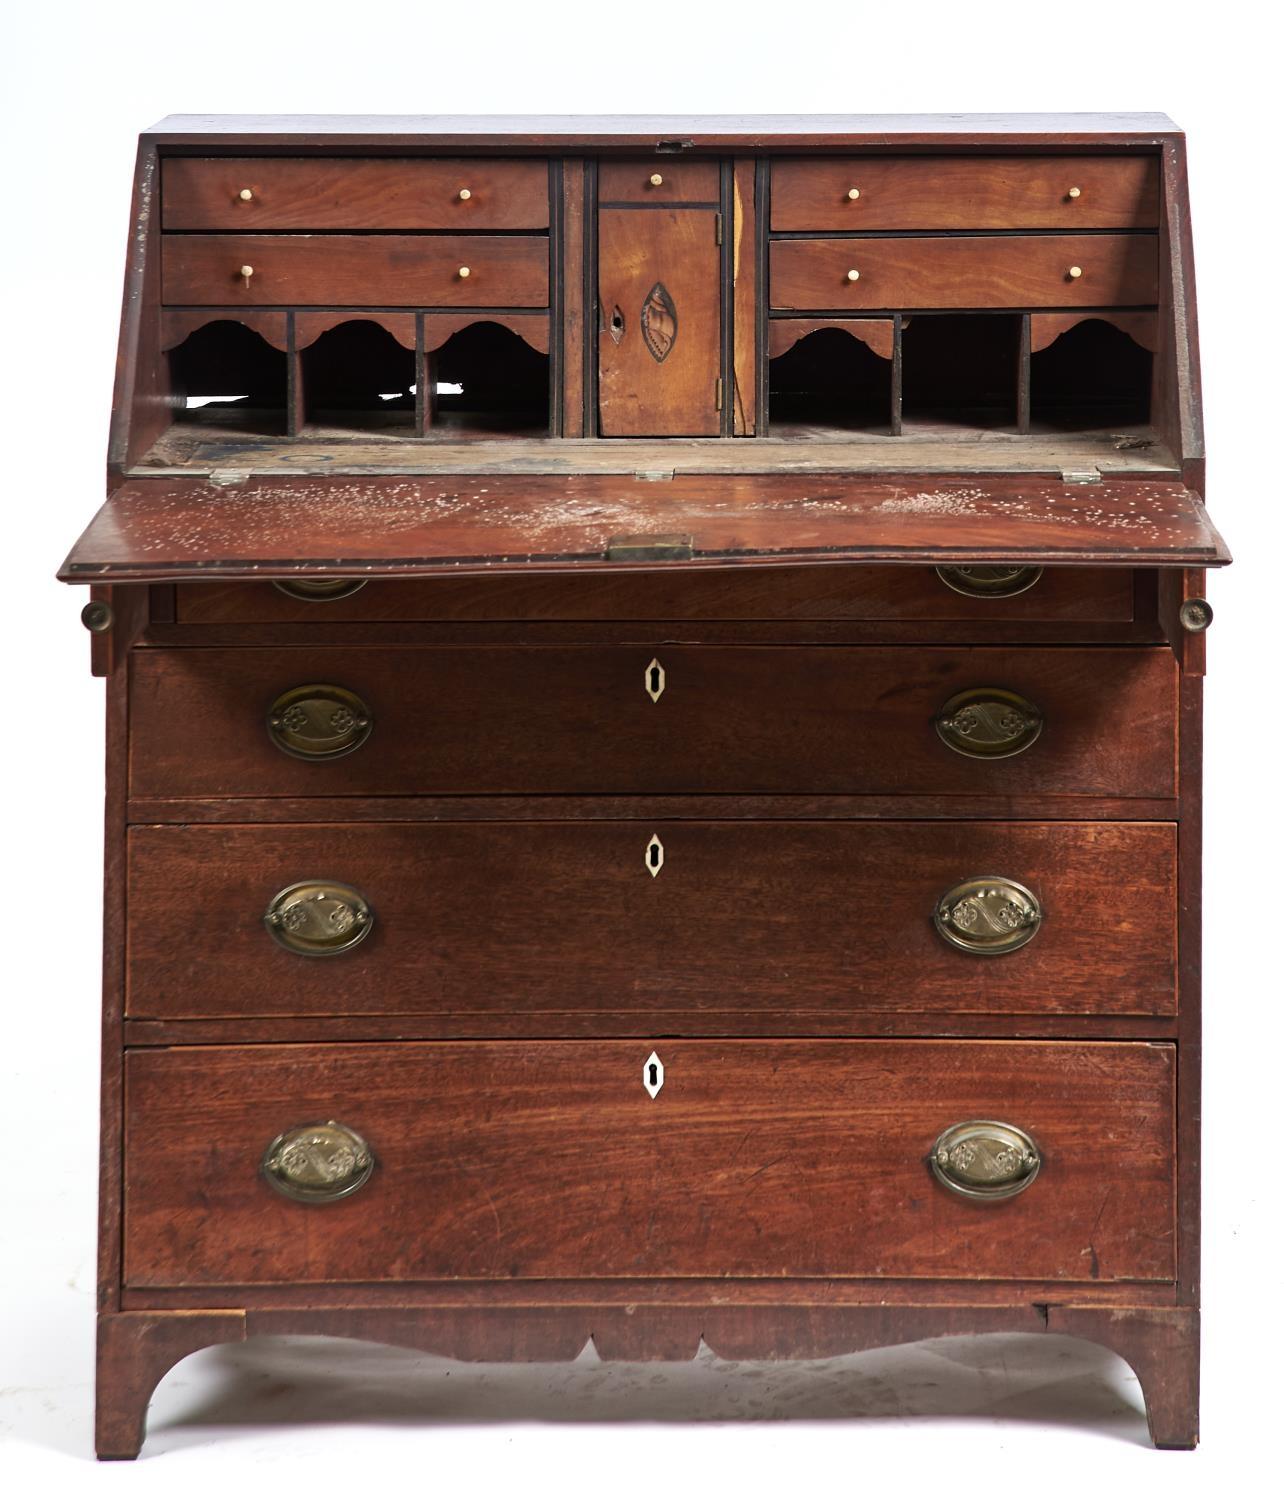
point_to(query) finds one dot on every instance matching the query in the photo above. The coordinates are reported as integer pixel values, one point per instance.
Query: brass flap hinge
(650, 548)
(717, 229)
(1081, 476)
(717, 394)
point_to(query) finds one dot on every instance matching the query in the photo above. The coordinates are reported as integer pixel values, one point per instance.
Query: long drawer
(661, 921)
(864, 592)
(645, 719)
(965, 192)
(387, 270)
(495, 1161)
(970, 271)
(247, 193)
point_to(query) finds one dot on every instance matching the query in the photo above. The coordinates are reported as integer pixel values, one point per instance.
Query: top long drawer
(966, 192)
(262, 722)
(249, 193)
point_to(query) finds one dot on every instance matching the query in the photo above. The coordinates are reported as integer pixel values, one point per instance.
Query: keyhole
(617, 325)
(653, 1075)
(653, 854)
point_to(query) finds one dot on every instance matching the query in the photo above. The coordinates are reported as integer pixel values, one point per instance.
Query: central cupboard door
(659, 322)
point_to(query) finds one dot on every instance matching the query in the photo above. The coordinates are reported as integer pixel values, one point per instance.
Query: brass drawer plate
(318, 918)
(989, 723)
(988, 915)
(985, 1160)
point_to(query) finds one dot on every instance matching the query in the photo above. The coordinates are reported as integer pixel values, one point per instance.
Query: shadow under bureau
(653, 740)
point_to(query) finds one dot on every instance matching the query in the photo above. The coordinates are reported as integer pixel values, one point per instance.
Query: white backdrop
(81, 80)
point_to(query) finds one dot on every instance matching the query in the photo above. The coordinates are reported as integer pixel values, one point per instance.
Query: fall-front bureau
(654, 690)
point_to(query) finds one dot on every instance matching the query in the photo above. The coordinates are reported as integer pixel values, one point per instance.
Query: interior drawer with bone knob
(252, 193)
(338, 721)
(966, 271)
(651, 920)
(499, 1161)
(965, 192)
(388, 270)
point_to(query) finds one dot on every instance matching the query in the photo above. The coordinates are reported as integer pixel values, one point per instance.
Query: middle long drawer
(665, 921)
(597, 720)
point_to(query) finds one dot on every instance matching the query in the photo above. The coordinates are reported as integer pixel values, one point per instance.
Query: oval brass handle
(318, 918)
(314, 589)
(989, 723)
(989, 580)
(318, 1163)
(319, 721)
(985, 1160)
(989, 915)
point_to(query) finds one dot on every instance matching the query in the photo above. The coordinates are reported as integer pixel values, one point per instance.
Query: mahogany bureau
(653, 732)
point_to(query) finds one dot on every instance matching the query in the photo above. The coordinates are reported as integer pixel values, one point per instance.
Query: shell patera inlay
(659, 322)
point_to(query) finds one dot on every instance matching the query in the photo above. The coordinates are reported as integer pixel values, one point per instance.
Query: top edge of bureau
(663, 132)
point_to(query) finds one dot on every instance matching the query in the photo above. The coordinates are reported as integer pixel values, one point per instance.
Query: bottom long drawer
(588, 1160)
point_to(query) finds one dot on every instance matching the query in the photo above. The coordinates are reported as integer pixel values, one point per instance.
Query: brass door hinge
(717, 394)
(717, 228)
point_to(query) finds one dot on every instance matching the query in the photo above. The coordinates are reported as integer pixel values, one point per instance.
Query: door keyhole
(617, 325)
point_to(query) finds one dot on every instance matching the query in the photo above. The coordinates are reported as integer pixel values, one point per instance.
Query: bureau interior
(566, 311)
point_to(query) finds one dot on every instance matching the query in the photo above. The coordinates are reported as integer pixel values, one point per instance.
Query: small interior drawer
(967, 271)
(966, 192)
(500, 1161)
(658, 180)
(389, 270)
(250, 193)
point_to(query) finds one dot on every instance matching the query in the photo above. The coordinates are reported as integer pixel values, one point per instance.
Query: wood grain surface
(818, 917)
(580, 720)
(965, 192)
(1011, 271)
(503, 1161)
(367, 270)
(377, 193)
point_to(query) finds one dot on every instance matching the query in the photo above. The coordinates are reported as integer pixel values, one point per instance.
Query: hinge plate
(1081, 476)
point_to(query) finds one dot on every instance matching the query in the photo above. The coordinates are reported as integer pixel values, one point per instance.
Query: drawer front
(678, 182)
(1058, 596)
(386, 270)
(1013, 271)
(599, 720)
(284, 193)
(962, 192)
(651, 919)
(498, 1161)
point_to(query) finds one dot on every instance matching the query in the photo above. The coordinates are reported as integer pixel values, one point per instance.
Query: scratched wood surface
(153, 530)
(815, 916)
(580, 720)
(499, 1161)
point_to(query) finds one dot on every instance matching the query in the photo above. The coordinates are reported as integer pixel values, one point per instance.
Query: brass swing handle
(985, 1160)
(318, 1163)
